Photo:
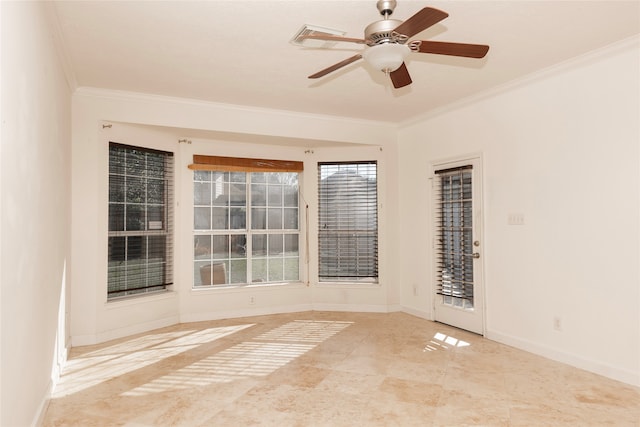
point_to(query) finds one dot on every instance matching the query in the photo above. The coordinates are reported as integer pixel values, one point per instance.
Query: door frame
(476, 160)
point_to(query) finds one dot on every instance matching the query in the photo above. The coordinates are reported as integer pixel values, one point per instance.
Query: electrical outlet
(557, 323)
(252, 300)
(515, 219)
(415, 290)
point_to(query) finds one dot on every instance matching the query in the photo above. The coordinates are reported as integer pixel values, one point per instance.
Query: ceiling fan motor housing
(382, 31)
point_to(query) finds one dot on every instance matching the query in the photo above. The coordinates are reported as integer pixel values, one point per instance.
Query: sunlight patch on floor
(442, 341)
(92, 368)
(247, 359)
(305, 331)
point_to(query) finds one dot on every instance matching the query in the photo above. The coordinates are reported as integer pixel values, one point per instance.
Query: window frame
(370, 279)
(454, 250)
(248, 231)
(162, 226)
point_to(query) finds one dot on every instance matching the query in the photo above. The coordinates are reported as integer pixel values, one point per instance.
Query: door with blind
(459, 292)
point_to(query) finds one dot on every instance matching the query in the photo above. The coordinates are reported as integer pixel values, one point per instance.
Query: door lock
(476, 255)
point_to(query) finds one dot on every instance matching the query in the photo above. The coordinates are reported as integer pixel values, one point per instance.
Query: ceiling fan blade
(334, 67)
(400, 77)
(454, 49)
(331, 38)
(422, 20)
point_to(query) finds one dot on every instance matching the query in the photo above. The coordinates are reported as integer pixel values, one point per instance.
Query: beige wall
(35, 215)
(562, 148)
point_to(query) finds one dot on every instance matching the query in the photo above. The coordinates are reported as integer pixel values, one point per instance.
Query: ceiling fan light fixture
(386, 57)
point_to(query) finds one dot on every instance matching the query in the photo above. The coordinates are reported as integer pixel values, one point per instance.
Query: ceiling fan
(388, 43)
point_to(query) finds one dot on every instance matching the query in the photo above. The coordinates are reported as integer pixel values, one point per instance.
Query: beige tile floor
(328, 369)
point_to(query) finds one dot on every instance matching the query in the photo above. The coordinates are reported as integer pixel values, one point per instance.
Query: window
(454, 251)
(140, 220)
(348, 221)
(245, 227)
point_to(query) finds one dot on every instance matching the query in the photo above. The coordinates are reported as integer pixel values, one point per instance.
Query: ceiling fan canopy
(388, 43)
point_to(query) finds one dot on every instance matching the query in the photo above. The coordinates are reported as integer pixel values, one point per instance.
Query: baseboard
(357, 308)
(38, 419)
(613, 372)
(417, 312)
(245, 312)
(260, 311)
(80, 340)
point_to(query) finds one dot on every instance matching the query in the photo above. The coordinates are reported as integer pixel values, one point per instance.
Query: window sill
(240, 288)
(350, 285)
(140, 299)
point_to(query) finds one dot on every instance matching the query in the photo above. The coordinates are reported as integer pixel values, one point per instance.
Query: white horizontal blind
(140, 220)
(454, 236)
(348, 221)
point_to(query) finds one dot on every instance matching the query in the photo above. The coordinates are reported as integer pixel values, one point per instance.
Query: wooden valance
(238, 164)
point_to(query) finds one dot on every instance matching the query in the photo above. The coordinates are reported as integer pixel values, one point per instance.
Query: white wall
(160, 122)
(35, 214)
(204, 304)
(91, 315)
(562, 148)
(381, 297)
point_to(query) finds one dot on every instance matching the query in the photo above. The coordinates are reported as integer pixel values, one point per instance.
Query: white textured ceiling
(239, 52)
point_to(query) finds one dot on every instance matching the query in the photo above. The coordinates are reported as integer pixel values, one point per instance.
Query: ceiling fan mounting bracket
(386, 7)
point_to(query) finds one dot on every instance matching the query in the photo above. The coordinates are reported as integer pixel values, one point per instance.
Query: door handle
(476, 255)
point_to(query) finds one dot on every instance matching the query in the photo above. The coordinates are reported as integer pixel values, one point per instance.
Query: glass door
(457, 246)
